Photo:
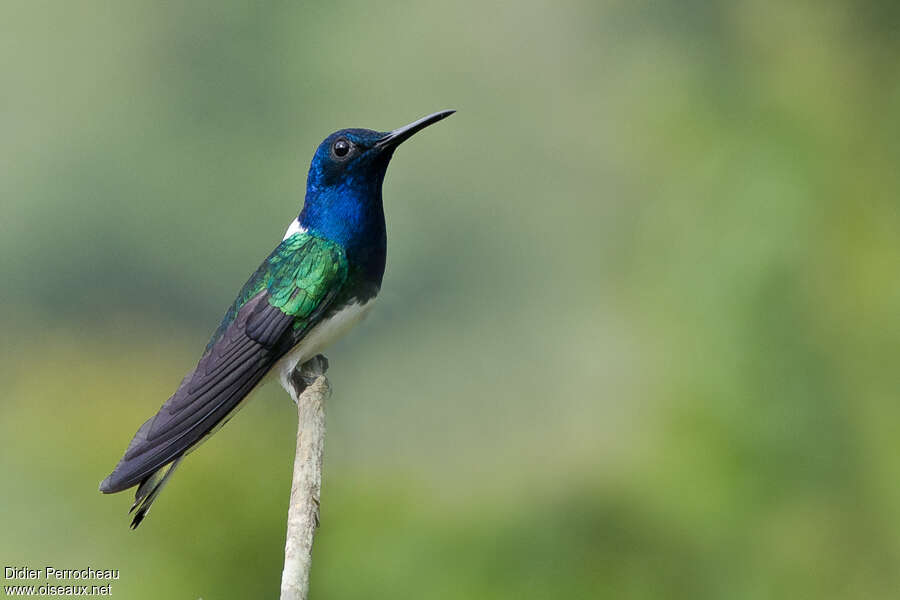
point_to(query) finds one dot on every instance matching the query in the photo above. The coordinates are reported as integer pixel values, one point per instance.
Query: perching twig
(311, 389)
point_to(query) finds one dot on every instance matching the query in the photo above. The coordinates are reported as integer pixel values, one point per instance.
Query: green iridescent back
(297, 276)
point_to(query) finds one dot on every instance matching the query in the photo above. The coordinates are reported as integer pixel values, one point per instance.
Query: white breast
(293, 228)
(320, 337)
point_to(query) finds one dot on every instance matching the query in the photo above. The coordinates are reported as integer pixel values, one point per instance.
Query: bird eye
(341, 148)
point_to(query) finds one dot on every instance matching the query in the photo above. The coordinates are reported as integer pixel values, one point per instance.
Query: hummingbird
(315, 285)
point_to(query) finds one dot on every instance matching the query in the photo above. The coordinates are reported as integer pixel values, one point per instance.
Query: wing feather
(279, 303)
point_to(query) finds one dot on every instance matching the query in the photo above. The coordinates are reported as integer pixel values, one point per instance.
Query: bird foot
(304, 375)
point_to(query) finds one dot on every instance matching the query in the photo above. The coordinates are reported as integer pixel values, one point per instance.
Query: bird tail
(149, 489)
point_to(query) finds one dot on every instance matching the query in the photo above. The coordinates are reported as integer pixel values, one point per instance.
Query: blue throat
(349, 211)
(343, 198)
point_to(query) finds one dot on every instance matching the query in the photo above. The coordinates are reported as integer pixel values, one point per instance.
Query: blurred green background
(638, 332)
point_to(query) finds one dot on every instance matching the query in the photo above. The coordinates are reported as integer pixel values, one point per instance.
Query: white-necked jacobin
(320, 280)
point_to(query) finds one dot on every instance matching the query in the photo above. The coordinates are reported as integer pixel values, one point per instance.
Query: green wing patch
(298, 276)
(302, 272)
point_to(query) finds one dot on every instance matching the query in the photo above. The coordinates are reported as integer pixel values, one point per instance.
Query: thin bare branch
(310, 390)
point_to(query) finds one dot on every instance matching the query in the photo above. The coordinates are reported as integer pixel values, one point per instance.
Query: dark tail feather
(149, 489)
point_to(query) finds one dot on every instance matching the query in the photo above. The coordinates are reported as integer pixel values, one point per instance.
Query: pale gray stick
(310, 390)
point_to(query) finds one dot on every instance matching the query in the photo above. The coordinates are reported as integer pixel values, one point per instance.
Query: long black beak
(398, 136)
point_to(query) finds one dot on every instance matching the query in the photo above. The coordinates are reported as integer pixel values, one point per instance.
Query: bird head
(346, 173)
(359, 157)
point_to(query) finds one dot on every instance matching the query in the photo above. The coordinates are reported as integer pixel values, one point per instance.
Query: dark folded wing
(258, 330)
(224, 376)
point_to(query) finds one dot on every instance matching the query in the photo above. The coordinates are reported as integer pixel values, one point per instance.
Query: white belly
(321, 336)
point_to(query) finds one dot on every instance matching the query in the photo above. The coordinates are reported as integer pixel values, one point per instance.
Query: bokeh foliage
(638, 332)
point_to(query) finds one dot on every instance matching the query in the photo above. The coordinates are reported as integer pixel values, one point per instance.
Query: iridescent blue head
(343, 189)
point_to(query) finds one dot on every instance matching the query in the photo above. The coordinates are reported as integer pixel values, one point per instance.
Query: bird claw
(304, 375)
(316, 511)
